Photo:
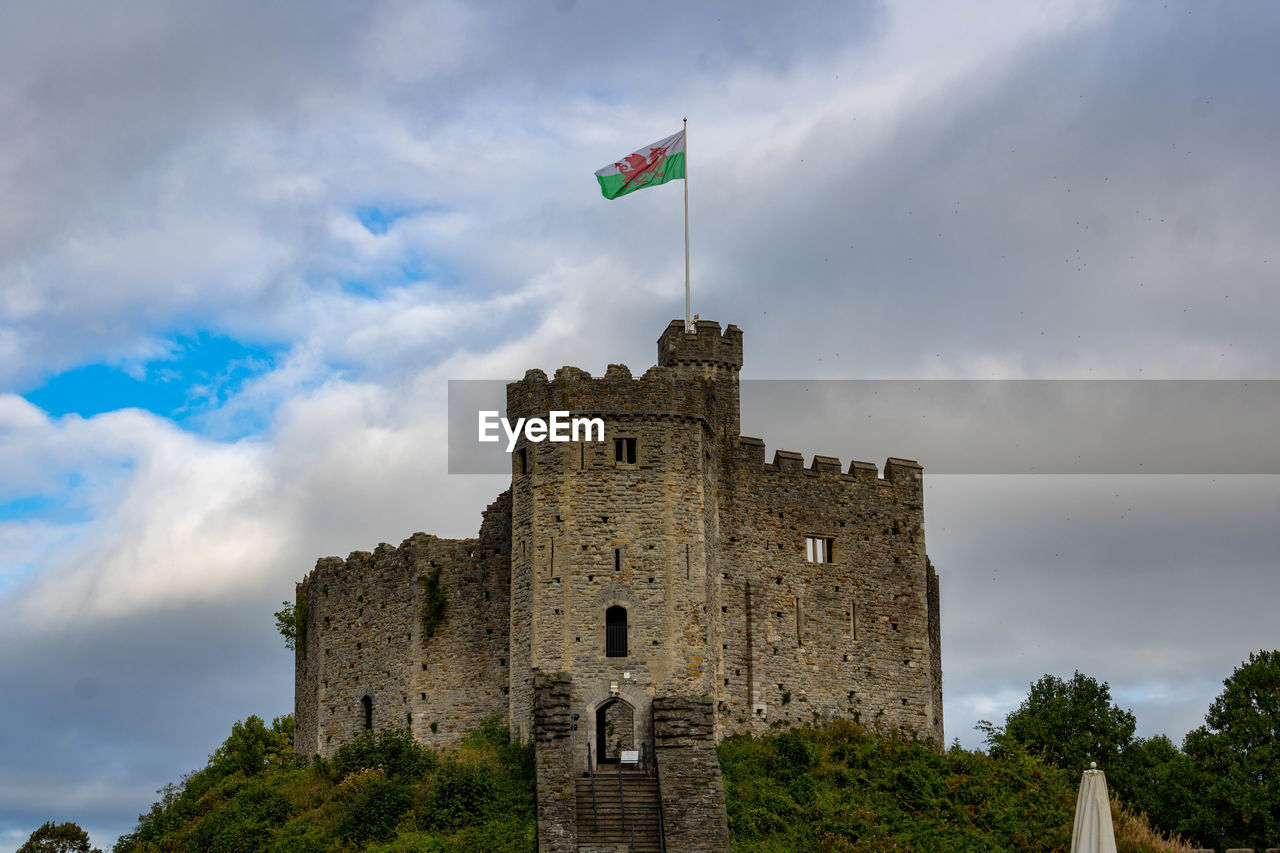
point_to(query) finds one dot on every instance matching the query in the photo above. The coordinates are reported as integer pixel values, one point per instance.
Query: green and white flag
(652, 165)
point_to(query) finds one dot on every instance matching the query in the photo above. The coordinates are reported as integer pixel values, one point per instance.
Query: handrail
(622, 806)
(591, 768)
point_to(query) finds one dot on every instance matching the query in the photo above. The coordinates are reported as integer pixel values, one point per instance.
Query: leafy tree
(1069, 723)
(1153, 777)
(58, 838)
(253, 747)
(291, 622)
(1237, 754)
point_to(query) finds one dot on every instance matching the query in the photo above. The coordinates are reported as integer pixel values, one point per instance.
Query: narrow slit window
(819, 549)
(615, 627)
(617, 559)
(551, 558)
(522, 461)
(624, 451)
(367, 702)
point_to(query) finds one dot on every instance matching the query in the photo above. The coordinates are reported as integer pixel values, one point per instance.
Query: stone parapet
(557, 809)
(693, 807)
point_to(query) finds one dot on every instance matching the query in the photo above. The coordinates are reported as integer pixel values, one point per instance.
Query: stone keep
(669, 561)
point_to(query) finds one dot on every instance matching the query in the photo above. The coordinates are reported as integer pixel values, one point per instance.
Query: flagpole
(687, 321)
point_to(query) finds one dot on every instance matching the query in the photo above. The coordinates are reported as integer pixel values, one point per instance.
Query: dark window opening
(624, 451)
(615, 629)
(617, 559)
(368, 712)
(522, 461)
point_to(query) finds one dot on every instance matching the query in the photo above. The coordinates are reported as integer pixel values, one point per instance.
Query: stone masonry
(667, 578)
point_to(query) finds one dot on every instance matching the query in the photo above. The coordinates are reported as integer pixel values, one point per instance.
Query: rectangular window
(617, 559)
(819, 549)
(522, 461)
(624, 451)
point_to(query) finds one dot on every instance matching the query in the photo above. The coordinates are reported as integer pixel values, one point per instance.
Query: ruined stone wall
(364, 637)
(462, 671)
(851, 637)
(935, 641)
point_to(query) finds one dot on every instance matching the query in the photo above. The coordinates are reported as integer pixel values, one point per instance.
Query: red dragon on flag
(652, 165)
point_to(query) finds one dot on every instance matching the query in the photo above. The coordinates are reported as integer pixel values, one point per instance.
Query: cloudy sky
(243, 248)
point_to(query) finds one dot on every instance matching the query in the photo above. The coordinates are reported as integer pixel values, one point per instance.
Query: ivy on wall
(434, 603)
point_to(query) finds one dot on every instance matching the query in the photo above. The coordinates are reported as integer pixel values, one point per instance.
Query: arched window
(368, 712)
(615, 632)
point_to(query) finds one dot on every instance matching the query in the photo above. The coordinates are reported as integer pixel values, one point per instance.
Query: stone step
(629, 818)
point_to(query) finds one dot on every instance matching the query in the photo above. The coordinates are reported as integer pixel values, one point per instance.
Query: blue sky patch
(377, 219)
(200, 374)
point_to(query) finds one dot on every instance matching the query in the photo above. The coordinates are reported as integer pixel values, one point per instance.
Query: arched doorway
(615, 730)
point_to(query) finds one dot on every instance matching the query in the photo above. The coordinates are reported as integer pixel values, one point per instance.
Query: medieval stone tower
(631, 601)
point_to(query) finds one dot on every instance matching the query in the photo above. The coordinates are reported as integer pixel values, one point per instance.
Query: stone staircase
(626, 813)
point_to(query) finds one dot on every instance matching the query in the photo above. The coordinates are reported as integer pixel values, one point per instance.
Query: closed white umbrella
(1092, 832)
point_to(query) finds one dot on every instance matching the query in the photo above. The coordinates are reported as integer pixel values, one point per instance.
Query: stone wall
(852, 636)
(364, 637)
(557, 808)
(692, 790)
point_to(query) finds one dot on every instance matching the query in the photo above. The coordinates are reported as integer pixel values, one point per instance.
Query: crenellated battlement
(659, 391)
(704, 346)
(897, 472)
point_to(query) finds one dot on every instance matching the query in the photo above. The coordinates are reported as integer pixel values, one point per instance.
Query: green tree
(253, 747)
(1154, 777)
(291, 622)
(1237, 756)
(1069, 723)
(58, 838)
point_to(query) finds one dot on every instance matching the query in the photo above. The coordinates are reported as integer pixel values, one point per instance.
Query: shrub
(393, 750)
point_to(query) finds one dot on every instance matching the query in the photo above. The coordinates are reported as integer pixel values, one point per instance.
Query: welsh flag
(652, 165)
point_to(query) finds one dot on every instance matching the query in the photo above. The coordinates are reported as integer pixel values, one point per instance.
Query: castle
(630, 602)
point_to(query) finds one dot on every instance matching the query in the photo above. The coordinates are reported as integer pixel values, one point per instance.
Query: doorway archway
(615, 730)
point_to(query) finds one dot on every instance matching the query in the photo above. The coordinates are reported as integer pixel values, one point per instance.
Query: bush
(393, 750)
(373, 805)
(461, 796)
